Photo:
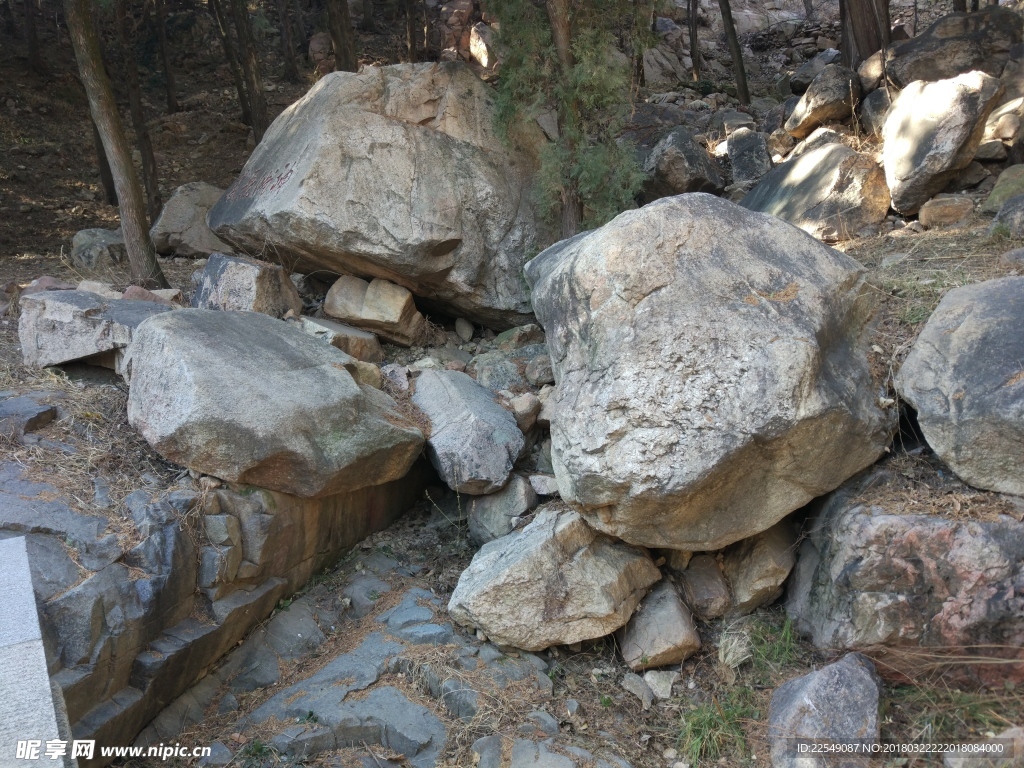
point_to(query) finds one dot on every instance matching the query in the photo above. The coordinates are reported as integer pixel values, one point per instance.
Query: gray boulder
(492, 516)
(679, 163)
(92, 248)
(931, 133)
(1010, 219)
(831, 192)
(832, 95)
(873, 110)
(801, 80)
(395, 172)
(705, 588)
(707, 385)
(748, 153)
(965, 377)
(868, 574)
(181, 227)
(837, 703)
(557, 581)
(473, 442)
(661, 631)
(242, 284)
(758, 567)
(60, 326)
(250, 399)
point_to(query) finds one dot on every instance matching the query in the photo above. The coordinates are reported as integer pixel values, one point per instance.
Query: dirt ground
(49, 189)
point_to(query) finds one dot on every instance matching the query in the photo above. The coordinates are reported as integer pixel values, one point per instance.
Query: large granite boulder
(557, 581)
(60, 326)
(181, 227)
(832, 95)
(712, 371)
(473, 442)
(965, 377)
(250, 399)
(870, 574)
(394, 172)
(932, 132)
(679, 163)
(831, 192)
(956, 44)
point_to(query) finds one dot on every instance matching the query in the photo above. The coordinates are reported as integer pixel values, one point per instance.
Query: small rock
(243, 284)
(633, 683)
(464, 329)
(705, 588)
(492, 516)
(361, 344)
(93, 248)
(380, 306)
(756, 568)
(660, 682)
(661, 631)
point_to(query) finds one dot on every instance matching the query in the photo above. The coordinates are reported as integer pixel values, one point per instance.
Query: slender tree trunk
(410, 29)
(224, 33)
(340, 24)
(35, 61)
(367, 23)
(426, 29)
(161, 31)
(568, 117)
(809, 10)
(865, 28)
(131, 70)
(694, 42)
(106, 179)
(300, 27)
(10, 25)
(737, 53)
(291, 67)
(251, 70)
(142, 261)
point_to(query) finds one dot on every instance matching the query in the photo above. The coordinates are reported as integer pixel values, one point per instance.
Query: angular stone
(680, 377)
(196, 374)
(242, 284)
(379, 306)
(491, 517)
(1009, 184)
(945, 211)
(679, 163)
(837, 703)
(705, 588)
(60, 326)
(19, 415)
(362, 345)
(661, 631)
(473, 441)
(1010, 219)
(932, 132)
(748, 153)
(965, 377)
(94, 248)
(873, 110)
(103, 290)
(831, 192)
(801, 80)
(819, 137)
(181, 227)
(555, 582)
(396, 172)
(661, 682)
(832, 95)
(756, 568)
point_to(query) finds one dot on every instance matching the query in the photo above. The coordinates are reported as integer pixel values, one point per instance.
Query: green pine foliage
(592, 103)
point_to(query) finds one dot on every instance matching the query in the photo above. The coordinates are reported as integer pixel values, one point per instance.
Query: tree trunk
(694, 42)
(251, 70)
(7, 13)
(299, 28)
(410, 30)
(340, 24)
(568, 114)
(737, 53)
(426, 29)
(106, 179)
(809, 10)
(224, 33)
(142, 261)
(149, 171)
(161, 31)
(865, 29)
(367, 23)
(35, 61)
(291, 67)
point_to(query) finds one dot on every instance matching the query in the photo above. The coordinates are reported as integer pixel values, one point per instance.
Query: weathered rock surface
(832, 95)
(60, 326)
(473, 441)
(491, 517)
(945, 211)
(1010, 219)
(395, 172)
(242, 284)
(678, 164)
(661, 631)
(361, 344)
(556, 581)
(92, 248)
(705, 588)
(758, 567)
(956, 44)
(197, 374)
(691, 409)
(837, 703)
(831, 192)
(873, 110)
(378, 305)
(1009, 184)
(869, 575)
(932, 132)
(801, 80)
(965, 377)
(748, 153)
(181, 227)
